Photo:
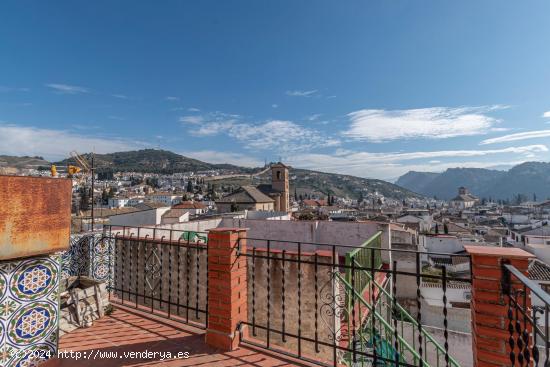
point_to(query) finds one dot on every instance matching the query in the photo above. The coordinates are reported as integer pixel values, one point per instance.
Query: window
(278, 175)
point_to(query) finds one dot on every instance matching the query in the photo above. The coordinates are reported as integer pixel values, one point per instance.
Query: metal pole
(93, 179)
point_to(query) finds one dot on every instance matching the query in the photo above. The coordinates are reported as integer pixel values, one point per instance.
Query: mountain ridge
(526, 180)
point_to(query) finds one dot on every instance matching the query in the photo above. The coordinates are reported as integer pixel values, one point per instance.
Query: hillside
(11, 165)
(526, 179)
(320, 184)
(305, 181)
(22, 162)
(151, 161)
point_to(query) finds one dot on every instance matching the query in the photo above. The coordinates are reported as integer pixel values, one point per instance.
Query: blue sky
(369, 88)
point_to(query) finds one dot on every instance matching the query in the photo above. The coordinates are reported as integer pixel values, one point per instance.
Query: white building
(120, 202)
(150, 214)
(166, 198)
(423, 223)
(464, 199)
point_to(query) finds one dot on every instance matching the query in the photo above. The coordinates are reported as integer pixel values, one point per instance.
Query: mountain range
(303, 182)
(529, 180)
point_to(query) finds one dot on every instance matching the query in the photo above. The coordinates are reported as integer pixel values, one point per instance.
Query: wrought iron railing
(368, 255)
(161, 271)
(389, 320)
(305, 300)
(527, 313)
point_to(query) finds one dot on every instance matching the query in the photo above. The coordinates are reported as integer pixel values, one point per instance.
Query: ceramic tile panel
(29, 310)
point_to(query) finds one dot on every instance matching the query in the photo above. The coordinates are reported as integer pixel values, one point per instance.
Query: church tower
(279, 183)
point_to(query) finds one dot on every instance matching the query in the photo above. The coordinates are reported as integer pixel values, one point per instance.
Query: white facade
(441, 243)
(166, 198)
(118, 202)
(149, 217)
(122, 202)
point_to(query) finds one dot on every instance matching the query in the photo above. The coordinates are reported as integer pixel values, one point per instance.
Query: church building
(269, 197)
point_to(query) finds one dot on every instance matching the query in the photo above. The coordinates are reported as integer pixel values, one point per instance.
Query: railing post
(227, 287)
(490, 334)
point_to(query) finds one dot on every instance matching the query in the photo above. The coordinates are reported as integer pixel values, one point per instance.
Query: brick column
(227, 287)
(489, 304)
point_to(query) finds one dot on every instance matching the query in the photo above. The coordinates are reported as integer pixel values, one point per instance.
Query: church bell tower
(279, 183)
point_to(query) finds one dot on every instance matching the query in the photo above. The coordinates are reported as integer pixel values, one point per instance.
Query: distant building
(274, 197)
(245, 198)
(279, 189)
(166, 198)
(146, 214)
(422, 224)
(464, 199)
(193, 207)
(175, 216)
(314, 203)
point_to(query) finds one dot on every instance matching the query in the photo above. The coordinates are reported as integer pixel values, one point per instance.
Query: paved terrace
(129, 330)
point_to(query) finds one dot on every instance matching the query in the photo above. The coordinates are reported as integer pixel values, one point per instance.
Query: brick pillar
(489, 304)
(227, 289)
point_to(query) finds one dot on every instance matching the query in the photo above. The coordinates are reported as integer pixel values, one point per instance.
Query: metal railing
(161, 271)
(314, 302)
(527, 313)
(367, 255)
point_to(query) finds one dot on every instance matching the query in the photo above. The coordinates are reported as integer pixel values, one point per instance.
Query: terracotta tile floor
(127, 330)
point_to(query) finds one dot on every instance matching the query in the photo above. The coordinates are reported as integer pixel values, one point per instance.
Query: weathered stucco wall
(316, 301)
(317, 232)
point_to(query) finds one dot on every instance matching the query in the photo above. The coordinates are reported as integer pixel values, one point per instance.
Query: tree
(306, 216)
(189, 186)
(445, 228)
(295, 195)
(436, 228)
(153, 182)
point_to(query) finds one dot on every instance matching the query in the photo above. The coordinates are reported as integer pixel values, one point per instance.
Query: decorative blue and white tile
(88, 255)
(76, 260)
(29, 310)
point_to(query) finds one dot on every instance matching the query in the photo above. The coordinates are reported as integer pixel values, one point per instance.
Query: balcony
(325, 304)
(230, 299)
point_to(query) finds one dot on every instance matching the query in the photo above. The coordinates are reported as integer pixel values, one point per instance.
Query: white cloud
(67, 89)
(171, 98)
(301, 93)
(193, 109)
(314, 117)
(191, 119)
(546, 115)
(120, 96)
(517, 136)
(215, 157)
(433, 123)
(280, 135)
(391, 165)
(56, 144)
